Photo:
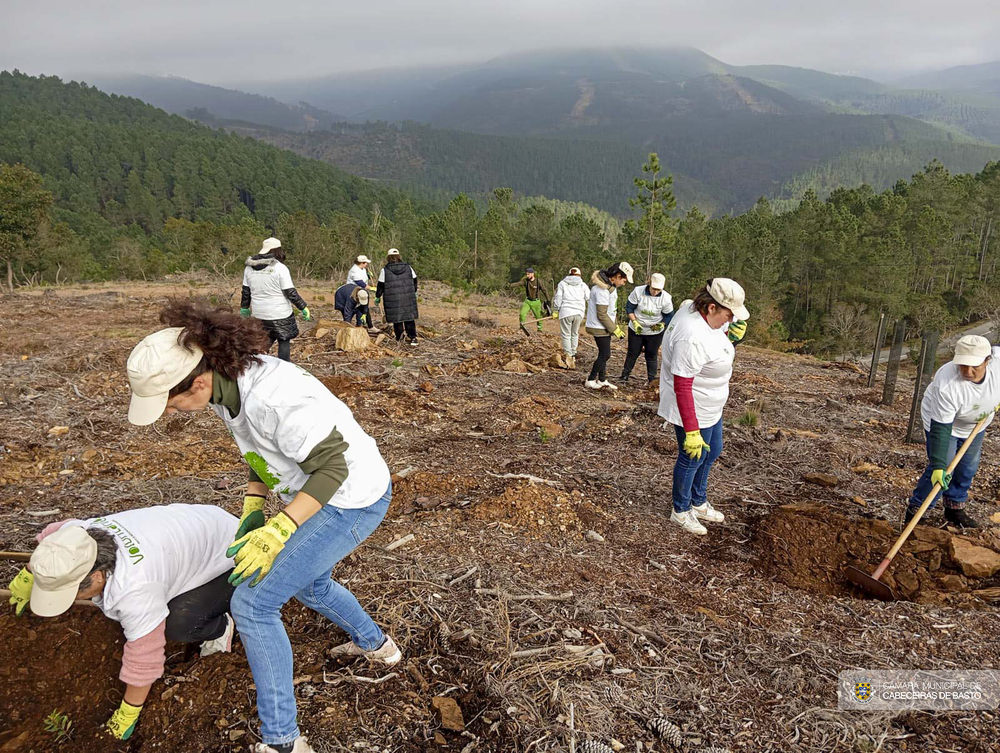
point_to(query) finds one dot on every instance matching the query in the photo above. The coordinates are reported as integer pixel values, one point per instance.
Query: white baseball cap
(730, 294)
(626, 270)
(363, 297)
(972, 350)
(362, 259)
(393, 252)
(269, 244)
(656, 280)
(155, 366)
(60, 563)
(574, 270)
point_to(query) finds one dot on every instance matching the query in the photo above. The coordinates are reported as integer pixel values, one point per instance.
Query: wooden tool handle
(5, 594)
(927, 502)
(15, 556)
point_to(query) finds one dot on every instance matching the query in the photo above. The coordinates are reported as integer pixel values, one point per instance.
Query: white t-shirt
(951, 399)
(267, 301)
(600, 296)
(357, 274)
(163, 551)
(284, 413)
(693, 349)
(650, 309)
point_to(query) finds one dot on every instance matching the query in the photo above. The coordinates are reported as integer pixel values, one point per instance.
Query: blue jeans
(302, 569)
(961, 479)
(691, 476)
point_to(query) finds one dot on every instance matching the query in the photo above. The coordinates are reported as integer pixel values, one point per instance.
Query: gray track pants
(569, 328)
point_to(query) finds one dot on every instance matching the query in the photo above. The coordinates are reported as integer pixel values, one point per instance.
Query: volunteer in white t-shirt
(359, 272)
(300, 442)
(694, 387)
(602, 307)
(162, 572)
(962, 393)
(268, 294)
(649, 310)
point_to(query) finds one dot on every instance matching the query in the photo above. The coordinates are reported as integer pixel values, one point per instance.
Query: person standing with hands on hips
(300, 442)
(601, 310)
(694, 387)
(268, 295)
(649, 309)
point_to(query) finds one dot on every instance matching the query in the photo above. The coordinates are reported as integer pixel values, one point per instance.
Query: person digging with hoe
(299, 441)
(535, 298)
(162, 572)
(697, 365)
(963, 392)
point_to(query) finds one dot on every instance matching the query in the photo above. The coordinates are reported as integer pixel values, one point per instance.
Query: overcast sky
(220, 42)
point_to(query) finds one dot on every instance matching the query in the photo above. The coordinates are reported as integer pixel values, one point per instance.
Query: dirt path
(543, 574)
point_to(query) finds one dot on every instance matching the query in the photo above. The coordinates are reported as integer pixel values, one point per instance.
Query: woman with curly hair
(300, 442)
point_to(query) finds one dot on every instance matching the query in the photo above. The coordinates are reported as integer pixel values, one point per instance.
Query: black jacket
(398, 292)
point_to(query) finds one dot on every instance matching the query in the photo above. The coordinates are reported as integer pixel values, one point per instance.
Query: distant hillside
(984, 77)
(191, 99)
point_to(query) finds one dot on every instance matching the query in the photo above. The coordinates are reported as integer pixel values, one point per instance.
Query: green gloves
(253, 515)
(694, 443)
(658, 327)
(378, 301)
(122, 722)
(244, 312)
(305, 314)
(941, 478)
(257, 550)
(636, 326)
(619, 332)
(20, 590)
(737, 331)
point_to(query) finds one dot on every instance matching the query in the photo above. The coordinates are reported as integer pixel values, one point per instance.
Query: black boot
(623, 379)
(908, 516)
(958, 518)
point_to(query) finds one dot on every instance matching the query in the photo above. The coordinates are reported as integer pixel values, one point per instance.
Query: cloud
(223, 42)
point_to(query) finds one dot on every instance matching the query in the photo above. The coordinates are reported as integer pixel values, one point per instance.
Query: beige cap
(626, 269)
(656, 280)
(574, 270)
(156, 365)
(972, 350)
(393, 252)
(362, 259)
(269, 244)
(363, 297)
(730, 294)
(59, 564)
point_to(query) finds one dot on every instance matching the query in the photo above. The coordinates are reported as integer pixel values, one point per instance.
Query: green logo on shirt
(125, 537)
(261, 468)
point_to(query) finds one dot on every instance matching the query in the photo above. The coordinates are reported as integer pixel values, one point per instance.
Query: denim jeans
(302, 569)
(961, 479)
(691, 476)
(569, 330)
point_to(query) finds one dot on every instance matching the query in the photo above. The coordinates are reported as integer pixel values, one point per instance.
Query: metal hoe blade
(876, 588)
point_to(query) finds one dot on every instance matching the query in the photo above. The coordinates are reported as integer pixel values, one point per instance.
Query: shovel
(543, 319)
(871, 583)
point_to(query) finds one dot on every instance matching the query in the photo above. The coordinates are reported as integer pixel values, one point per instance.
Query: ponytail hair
(230, 343)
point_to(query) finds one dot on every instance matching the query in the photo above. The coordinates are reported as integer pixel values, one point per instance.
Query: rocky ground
(527, 567)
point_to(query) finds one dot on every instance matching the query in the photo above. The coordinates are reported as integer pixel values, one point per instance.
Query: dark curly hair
(231, 343)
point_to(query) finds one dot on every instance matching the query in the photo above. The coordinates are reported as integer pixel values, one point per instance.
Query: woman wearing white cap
(962, 393)
(694, 387)
(359, 272)
(268, 294)
(570, 303)
(300, 442)
(649, 310)
(602, 307)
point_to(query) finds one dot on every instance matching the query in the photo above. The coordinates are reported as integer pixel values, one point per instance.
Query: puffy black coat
(399, 296)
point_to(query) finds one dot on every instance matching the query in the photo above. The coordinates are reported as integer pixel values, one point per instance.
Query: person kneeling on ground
(162, 572)
(649, 309)
(570, 303)
(962, 393)
(268, 294)
(397, 284)
(601, 309)
(351, 300)
(694, 387)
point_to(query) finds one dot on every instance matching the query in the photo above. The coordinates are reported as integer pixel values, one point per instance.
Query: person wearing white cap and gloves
(570, 304)
(268, 295)
(397, 285)
(160, 571)
(359, 272)
(963, 391)
(602, 306)
(300, 442)
(649, 310)
(697, 364)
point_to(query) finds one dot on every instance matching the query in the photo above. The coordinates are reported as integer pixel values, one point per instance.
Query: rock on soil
(448, 713)
(821, 479)
(355, 338)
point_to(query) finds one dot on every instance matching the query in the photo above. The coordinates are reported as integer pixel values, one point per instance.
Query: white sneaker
(593, 384)
(608, 384)
(221, 645)
(709, 513)
(688, 521)
(388, 653)
(301, 746)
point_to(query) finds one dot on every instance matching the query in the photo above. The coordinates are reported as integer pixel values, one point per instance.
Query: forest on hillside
(97, 187)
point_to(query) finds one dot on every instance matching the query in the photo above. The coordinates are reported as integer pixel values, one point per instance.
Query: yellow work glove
(253, 515)
(694, 443)
(937, 477)
(737, 331)
(619, 332)
(555, 314)
(305, 314)
(20, 590)
(255, 552)
(122, 722)
(636, 326)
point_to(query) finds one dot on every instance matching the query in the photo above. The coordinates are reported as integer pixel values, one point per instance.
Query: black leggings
(639, 343)
(284, 348)
(200, 614)
(599, 370)
(410, 327)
